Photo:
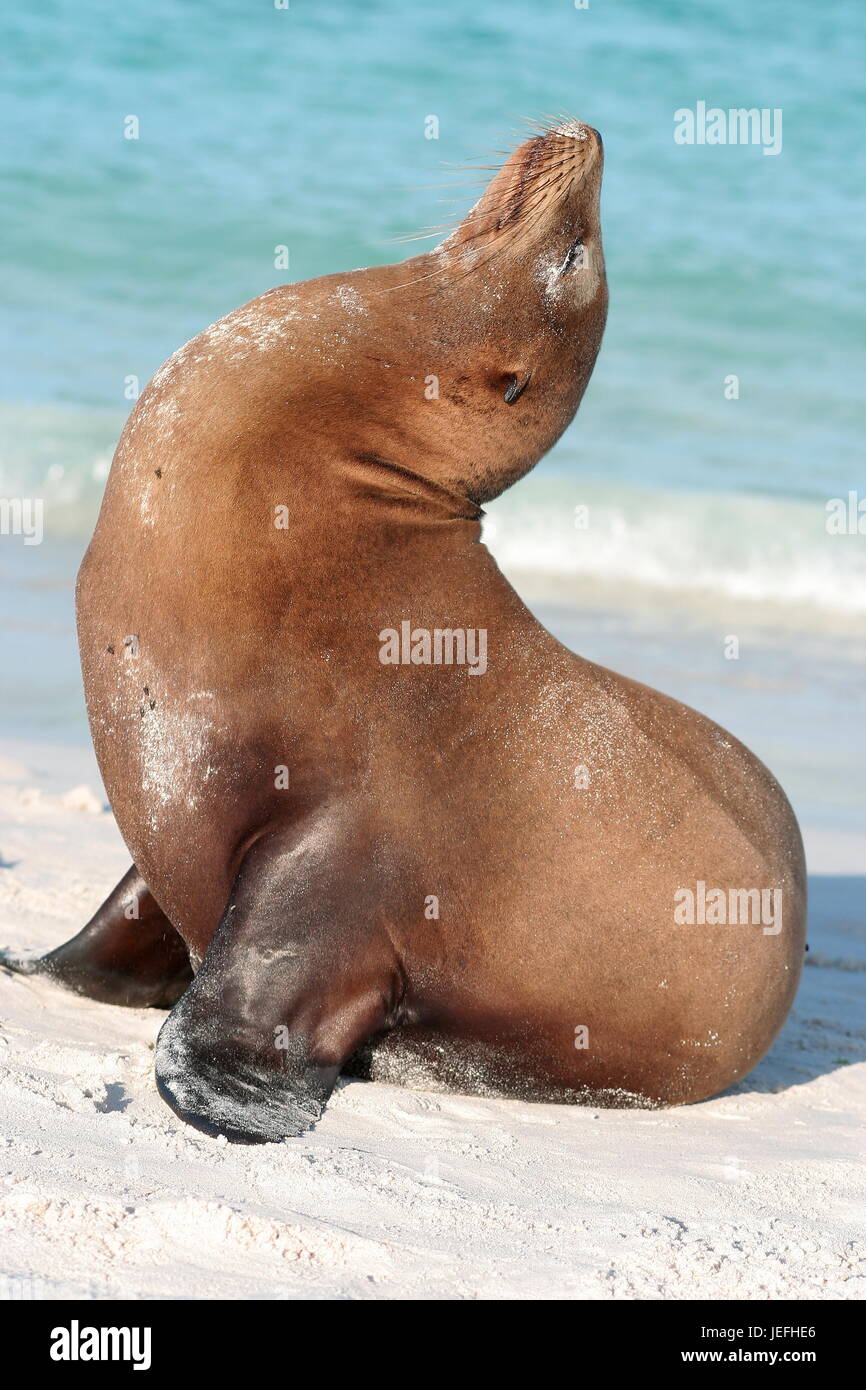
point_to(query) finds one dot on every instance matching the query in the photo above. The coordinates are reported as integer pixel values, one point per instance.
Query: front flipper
(129, 953)
(300, 972)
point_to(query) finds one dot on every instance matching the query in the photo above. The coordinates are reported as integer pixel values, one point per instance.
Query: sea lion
(390, 820)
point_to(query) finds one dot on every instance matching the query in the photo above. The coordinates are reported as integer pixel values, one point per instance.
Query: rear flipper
(129, 953)
(299, 973)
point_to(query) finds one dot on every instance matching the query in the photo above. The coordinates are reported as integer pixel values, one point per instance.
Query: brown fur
(256, 647)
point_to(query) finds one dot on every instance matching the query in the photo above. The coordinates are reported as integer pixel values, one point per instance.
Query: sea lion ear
(516, 384)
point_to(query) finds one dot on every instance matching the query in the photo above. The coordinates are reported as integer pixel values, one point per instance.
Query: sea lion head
(458, 368)
(505, 317)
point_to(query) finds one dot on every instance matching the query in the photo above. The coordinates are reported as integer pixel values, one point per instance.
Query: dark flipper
(299, 973)
(129, 953)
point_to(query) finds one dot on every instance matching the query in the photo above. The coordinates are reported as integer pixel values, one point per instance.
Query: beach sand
(104, 1193)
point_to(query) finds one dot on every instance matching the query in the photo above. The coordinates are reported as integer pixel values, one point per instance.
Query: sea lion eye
(575, 255)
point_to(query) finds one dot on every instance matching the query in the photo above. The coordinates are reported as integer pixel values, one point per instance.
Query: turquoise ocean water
(305, 127)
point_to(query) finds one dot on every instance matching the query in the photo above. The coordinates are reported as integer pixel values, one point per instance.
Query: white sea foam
(762, 549)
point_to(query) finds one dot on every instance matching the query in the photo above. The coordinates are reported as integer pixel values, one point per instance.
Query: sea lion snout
(586, 134)
(556, 171)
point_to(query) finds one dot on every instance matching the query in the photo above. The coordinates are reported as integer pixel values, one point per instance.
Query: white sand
(405, 1194)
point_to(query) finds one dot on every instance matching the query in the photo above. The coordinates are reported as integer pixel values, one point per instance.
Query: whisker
(502, 211)
(534, 183)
